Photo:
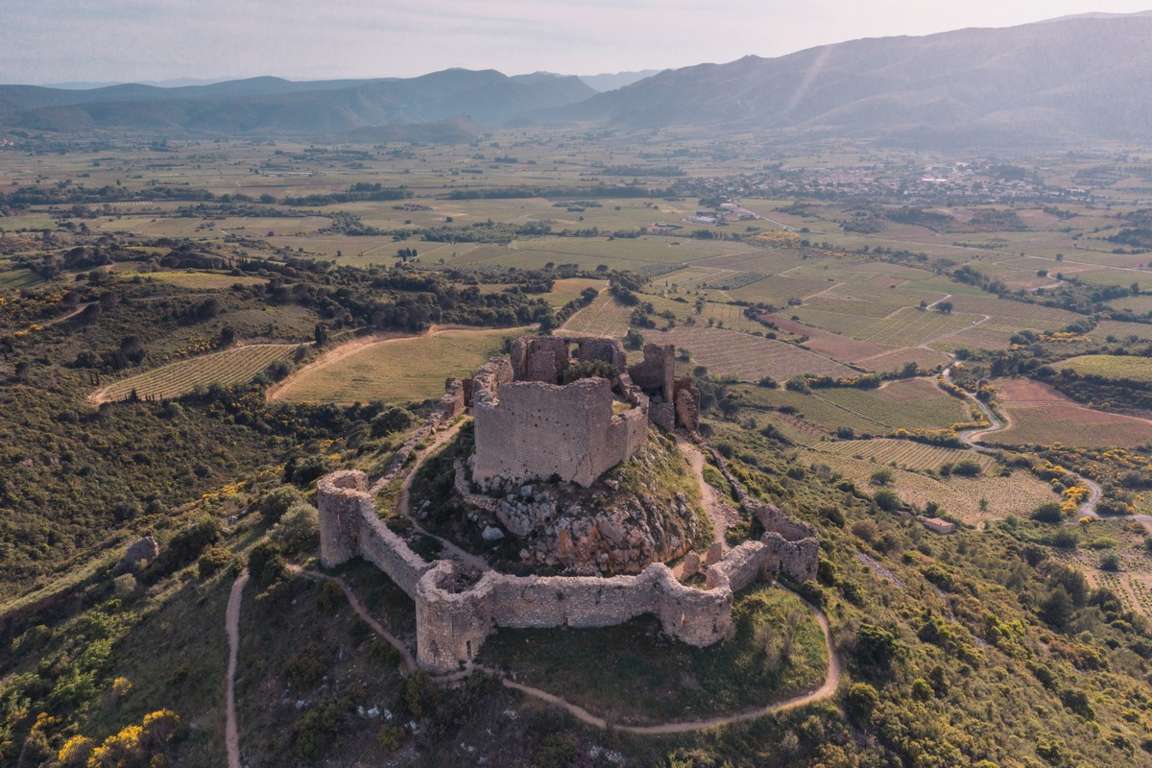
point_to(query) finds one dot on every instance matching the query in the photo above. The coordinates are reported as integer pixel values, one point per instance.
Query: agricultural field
(1131, 368)
(909, 404)
(1038, 414)
(1132, 581)
(203, 280)
(13, 279)
(907, 454)
(746, 357)
(232, 366)
(568, 289)
(396, 370)
(976, 501)
(603, 317)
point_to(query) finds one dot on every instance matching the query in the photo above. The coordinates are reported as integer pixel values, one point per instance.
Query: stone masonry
(531, 425)
(456, 614)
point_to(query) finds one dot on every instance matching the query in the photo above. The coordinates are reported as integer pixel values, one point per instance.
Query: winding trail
(826, 690)
(708, 498)
(361, 611)
(973, 437)
(404, 503)
(232, 629)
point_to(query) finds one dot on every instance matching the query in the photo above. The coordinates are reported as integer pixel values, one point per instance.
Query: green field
(18, 278)
(203, 280)
(912, 404)
(1131, 368)
(232, 366)
(396, 370)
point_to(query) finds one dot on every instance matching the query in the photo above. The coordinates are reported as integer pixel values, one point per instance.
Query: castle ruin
(568, 408)
(563, 409)
(455, 612)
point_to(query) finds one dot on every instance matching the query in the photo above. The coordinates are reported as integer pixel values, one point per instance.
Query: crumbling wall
(455, 614)
(453, 401)
(537, 430)
(656, 374)
(351, 527)
(453, 623)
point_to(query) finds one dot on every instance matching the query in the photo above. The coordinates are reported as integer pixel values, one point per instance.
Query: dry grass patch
(397, 370)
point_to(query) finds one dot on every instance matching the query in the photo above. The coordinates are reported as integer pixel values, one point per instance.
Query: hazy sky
(45, 41)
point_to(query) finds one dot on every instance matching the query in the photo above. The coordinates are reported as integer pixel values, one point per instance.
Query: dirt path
(57, 320)
(973, 439)
(232, 629)
(405, 655)
(826, 690)
(404, 506)
(712, 505)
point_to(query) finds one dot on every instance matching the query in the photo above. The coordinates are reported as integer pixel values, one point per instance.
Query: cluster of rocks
(584, 532)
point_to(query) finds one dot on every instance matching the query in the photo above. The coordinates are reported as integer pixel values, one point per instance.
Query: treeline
(599, 190)
(354, 194)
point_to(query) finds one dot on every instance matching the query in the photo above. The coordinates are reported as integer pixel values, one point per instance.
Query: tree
(633, 339)
(944, 307)
(1056, 609)
(875, 649)
(862, 698)
(320, 334)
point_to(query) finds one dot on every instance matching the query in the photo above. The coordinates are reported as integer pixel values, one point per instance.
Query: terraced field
(1128, 367)
(906, 454)
(232, 366)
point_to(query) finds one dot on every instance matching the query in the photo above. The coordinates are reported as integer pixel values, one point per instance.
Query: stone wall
(535, 431)
(455, 614)
(351, 527)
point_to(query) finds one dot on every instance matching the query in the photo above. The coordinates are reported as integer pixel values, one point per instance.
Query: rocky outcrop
(139, 554)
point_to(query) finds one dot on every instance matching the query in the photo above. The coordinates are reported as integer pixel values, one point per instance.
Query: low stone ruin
(456, 613)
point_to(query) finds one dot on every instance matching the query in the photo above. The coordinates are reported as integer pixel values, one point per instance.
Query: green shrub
(967, 468)
(860, 701)
(213, 560)
(1047, 513)
(298, 530)
(887, 500)
(277, 502)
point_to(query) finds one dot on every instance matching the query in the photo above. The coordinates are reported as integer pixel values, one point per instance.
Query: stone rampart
(455, 614)
(350, 526)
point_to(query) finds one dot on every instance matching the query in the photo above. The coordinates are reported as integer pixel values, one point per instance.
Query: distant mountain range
(612, 81)
(273, 105)
(1074, 78)
(1070, 79)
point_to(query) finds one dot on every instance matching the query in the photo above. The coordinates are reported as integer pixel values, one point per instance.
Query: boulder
(139, 553)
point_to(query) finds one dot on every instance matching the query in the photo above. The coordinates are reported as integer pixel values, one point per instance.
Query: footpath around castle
(556, 414)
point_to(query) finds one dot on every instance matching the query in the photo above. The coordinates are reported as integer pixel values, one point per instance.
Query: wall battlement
(455, 615)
